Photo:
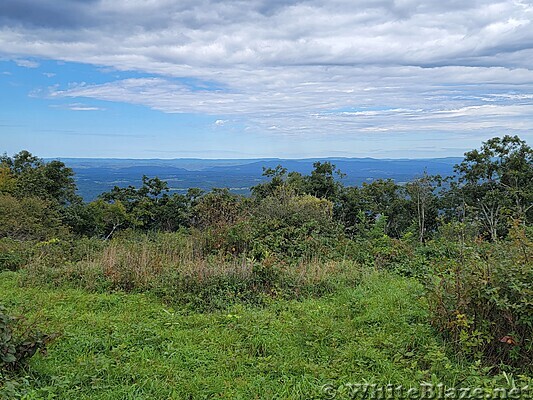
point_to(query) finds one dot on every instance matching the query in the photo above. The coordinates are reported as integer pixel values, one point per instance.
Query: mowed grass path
(132, 346)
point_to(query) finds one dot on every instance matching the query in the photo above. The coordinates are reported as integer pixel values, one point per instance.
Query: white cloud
(77, 107)
(27, 63)
(301, 67)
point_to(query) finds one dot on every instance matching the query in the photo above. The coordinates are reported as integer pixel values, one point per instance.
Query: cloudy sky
(263, 78)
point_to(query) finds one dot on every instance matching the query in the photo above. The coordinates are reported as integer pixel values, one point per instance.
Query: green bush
(29, 218)
(294, 227)
(480, 297)
(14, 254)
(18, 343)
(174, 267)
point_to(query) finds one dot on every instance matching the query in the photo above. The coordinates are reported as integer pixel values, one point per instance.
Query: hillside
(94, 176)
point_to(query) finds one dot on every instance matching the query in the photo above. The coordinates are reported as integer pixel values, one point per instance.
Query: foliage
(292, 227)
(29, 218)
(8, 181)
(360, 207)
(480, 295)
(467, 238)
(14, 253)
(424, 203)
(173, 267)
(108, 217)
(320, 183)
(217, 209)
(25, 175)
(18, 343)
(149, 207)
(497, 182)
(16, 348)
(278, 178)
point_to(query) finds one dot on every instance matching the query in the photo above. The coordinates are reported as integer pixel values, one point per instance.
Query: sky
(263, 78)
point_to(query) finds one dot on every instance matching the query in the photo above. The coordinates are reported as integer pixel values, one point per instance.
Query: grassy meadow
(133, 346)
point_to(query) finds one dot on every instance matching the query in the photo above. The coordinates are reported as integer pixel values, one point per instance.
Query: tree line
(491, 186)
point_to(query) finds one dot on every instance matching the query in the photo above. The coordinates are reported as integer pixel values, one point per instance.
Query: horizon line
(250, 159)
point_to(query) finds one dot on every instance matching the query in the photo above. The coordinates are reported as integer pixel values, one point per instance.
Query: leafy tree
(21, 161)
(7, 180)
(59, 183)
(30, 176)
(496, 181)
(173, 212)
(218, 208)
(129, 196)
(321, 183)
(278, 177)
(287, 224)
(153, 188)
(109, 217)
(81, 219)
(151, 207)
(29, 218)
(360, 207)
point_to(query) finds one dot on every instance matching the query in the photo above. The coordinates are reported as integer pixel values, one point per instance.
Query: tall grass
(176, 267)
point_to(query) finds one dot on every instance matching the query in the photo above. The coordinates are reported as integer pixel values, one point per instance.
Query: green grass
(132, 346)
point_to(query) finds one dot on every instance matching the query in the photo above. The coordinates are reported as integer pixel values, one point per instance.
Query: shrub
(17, 348)
(294, 227)
(480, 296)
(14, 254)
(18, 343)
(29, 218)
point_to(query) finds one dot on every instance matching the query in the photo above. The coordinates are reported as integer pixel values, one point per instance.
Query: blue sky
(233, 79)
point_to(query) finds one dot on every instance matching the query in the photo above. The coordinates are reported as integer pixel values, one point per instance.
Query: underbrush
(481, 296)
(17, 254)
(479, 292)
(175, 269)
(14, 254)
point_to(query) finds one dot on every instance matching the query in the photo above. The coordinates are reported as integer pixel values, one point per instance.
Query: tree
(384, 197)
(109, 217)
(31, 176)
(29, 218)
(7, 179)
(21, 161)
(421, 191)
(172, 213)
(321, 183)
(294, 225)
(153, 188)
(496, 181)
(217, 209)
(58, 182)
(129, 196)
(278, 177)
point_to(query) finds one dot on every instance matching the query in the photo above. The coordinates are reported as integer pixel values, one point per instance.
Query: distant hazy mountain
(97, 175)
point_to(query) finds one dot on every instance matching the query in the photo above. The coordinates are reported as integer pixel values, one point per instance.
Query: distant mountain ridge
(97, 175)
